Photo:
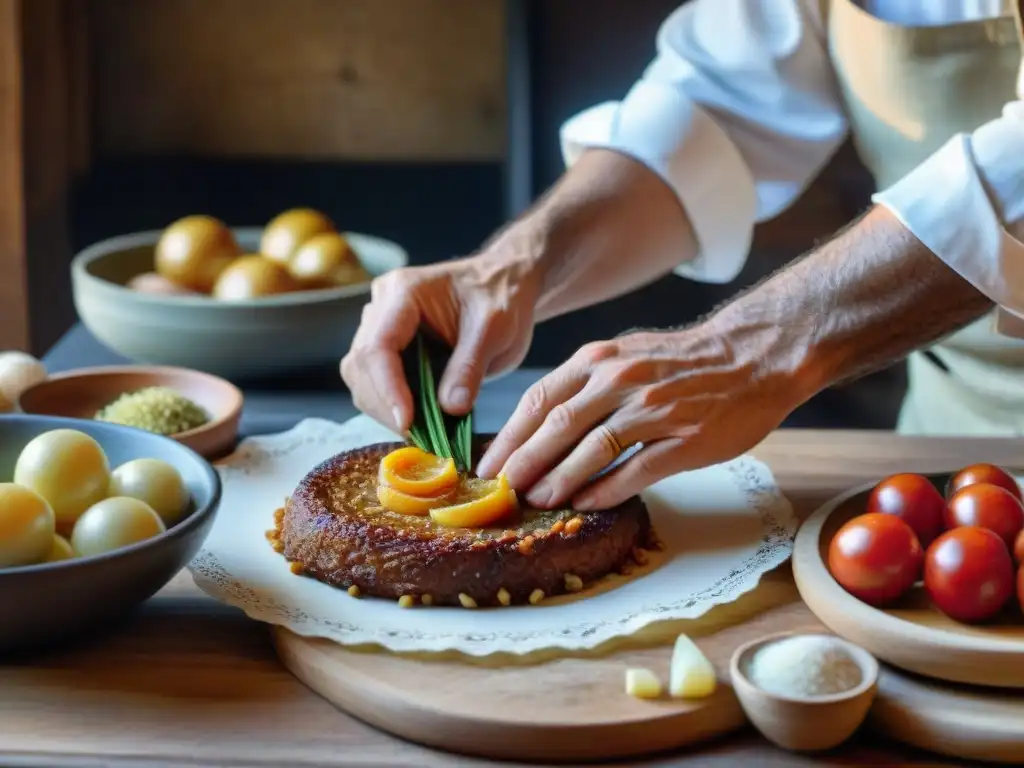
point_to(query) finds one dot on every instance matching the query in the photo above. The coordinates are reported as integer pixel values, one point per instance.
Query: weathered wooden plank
(350, 79)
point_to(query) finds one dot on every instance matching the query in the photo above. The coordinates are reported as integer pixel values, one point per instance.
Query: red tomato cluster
(964, 545)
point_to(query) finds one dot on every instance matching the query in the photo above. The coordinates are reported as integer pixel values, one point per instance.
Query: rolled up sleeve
(961, 201)
(737, 114)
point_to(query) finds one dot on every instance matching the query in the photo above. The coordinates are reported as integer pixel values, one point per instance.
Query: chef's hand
(482, 306)
(689, 397)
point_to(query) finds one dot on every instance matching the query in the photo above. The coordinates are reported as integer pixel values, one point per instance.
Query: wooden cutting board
(545, 707)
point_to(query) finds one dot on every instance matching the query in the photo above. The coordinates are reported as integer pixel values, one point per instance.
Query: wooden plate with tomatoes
(922, 572)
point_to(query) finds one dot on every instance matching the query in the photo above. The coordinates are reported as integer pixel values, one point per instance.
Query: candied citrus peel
(407, 504)
(415, 472)
(488, 501)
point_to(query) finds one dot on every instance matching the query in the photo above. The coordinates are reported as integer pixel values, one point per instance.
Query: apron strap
(824, 6)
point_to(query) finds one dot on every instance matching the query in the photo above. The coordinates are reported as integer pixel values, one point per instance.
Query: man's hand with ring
(691, 398)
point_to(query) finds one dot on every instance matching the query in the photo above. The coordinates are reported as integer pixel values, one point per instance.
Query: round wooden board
(912, 634)
(554, 708)
(961, 721)
(576, 709)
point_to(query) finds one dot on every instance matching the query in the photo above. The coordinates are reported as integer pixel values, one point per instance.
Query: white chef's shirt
(740, 110)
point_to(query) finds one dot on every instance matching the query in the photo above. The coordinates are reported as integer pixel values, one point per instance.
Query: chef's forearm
(860, 302)
(608, 227)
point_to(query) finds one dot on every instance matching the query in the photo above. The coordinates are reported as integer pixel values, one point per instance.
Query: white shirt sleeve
(960, 201)
(738, 113)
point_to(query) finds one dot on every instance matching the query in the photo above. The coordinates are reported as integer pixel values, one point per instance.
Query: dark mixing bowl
(44, 604)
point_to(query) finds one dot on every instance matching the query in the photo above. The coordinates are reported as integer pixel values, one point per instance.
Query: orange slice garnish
(417, 473)
(480, 503)
(407, 504)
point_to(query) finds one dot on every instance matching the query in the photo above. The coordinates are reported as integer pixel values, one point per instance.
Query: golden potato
(286, 232)
(250, 277)
(26, 526)
(326, 261)
(193, 251)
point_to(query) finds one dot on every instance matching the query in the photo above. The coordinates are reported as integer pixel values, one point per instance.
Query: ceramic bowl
(263, 337)
(81, 393)
(805, 724)
(49, 603)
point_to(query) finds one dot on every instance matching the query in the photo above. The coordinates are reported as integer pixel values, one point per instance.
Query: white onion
(18, 372)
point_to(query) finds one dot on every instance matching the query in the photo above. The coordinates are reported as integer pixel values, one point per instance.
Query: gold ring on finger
(609, 438)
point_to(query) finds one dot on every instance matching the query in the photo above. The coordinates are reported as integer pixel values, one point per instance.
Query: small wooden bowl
(81, 393)
(804, 724)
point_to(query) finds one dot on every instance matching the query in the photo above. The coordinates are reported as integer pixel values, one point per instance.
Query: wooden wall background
(326, 79)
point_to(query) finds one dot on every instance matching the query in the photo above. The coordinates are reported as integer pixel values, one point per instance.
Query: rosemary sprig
(429, 405)
(433, 430)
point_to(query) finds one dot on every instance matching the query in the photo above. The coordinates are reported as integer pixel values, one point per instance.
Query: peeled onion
(68, 469)
(113, 524)
(26, 526)
(59, 550)
(155, 482)
(18, 372)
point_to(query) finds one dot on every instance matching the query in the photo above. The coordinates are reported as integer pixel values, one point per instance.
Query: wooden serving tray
(912, 635)
(951, 688)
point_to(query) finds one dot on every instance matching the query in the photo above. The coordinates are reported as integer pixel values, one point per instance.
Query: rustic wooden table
(190, 682)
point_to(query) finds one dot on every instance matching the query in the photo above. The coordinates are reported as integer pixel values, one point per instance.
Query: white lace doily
(723, 527)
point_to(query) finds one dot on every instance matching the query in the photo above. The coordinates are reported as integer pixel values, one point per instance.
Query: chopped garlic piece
(691, 675)
(642, 684)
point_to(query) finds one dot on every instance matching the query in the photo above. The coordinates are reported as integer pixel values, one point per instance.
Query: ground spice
(155, 409)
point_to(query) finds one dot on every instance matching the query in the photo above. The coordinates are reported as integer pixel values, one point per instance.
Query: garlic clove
(642, 684)
(18, 372)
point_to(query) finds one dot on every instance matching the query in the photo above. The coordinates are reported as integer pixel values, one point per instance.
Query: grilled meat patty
(334, 529)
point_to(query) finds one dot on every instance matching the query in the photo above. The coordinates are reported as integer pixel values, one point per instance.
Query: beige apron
(907, 90)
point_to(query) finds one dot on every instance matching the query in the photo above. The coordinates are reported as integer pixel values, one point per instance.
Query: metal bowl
(262, 337)
(49, 603)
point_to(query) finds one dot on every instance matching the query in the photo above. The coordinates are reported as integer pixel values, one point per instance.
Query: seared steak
(334, 529)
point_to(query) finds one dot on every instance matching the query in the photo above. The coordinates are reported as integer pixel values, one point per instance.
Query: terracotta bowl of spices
(804, 692)
(196, 409)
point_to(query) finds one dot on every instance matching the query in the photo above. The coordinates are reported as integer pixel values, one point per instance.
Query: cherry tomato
(913, 499)
(987, 506)
(1020, 586)
(968, 573)
(875, 557)
(1018, 549)
(983, 473)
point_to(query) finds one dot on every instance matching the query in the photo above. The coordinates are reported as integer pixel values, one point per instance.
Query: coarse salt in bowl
(804, 692)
